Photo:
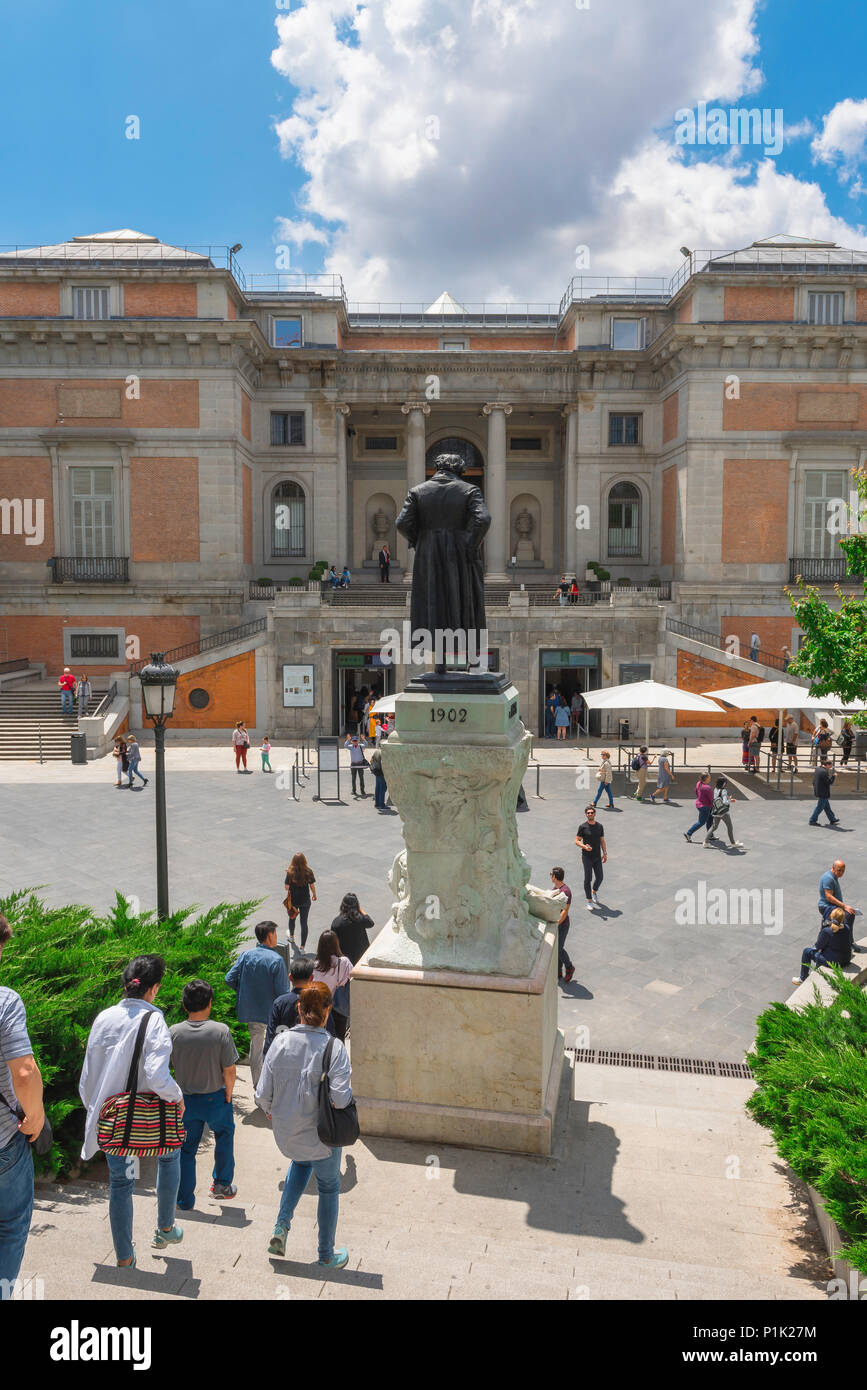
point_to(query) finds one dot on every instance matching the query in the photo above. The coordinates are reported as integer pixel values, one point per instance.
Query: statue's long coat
(445, 520)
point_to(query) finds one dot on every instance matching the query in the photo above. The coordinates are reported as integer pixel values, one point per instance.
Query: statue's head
(451, 463)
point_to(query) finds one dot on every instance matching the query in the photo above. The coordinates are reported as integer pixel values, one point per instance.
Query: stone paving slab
(622, 1210)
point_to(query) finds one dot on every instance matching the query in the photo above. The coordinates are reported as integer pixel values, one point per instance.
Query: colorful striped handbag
(138, 1123)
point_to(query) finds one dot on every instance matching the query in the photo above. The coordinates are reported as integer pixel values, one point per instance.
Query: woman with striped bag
(134, 1106)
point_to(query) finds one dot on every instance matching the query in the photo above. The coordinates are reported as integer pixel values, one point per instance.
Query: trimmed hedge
(66, 963)
(811, 1070)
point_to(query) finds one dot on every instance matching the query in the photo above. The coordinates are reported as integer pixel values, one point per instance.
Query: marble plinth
(444, 1057)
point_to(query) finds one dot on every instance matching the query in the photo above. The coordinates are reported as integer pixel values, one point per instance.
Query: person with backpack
(640, 763)
(605, 777)
(130, 1042)
(721, 815)
(333, 969)
(703, 804)
(288, 1092)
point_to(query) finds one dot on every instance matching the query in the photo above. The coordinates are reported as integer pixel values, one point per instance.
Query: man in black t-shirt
(591, 841)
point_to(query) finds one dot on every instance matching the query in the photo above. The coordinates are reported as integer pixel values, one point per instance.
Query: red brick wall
(540, 342)
(27, 478)
(755, 511)
(40, 637)
(20, 301)
(669, 514)
(669, 417)
(247, 517)
(162, 301)
(231, 308)
(796, 406)
(698, 675)
(684, 313)
(775, 633)
(164, 507)
(861, 306)
(372, 342)
(29, 402)
(245, 415)
(755, 304)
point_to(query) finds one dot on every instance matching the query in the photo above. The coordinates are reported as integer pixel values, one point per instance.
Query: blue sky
(208, 166)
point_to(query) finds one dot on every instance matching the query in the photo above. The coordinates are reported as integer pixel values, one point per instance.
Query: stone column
(570, 490)
(495, 492)
(415, 411)
(344, 540)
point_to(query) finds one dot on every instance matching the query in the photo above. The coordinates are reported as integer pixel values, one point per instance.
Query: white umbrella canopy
(779, 695)
(385, 705)
(648, 695)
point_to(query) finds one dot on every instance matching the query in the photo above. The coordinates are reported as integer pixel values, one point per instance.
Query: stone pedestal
(454, 1006)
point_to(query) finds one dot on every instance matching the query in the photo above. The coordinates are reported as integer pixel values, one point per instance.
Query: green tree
(833, 656)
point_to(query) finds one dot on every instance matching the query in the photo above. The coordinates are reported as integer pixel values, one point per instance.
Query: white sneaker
(796, 980)
(589, 907)
(738, 844)
(596, 897)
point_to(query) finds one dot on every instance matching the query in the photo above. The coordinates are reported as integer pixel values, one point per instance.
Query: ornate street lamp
(158, 682)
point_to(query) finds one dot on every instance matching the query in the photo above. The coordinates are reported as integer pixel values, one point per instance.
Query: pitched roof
(445, 305)
(124, 245)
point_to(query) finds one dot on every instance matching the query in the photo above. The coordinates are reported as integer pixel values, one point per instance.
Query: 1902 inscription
(439, 715)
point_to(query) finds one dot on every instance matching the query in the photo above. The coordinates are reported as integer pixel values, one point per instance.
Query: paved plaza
(644, 981)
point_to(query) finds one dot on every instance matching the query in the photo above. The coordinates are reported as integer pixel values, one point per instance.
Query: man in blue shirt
(258, 977)
(829, 898)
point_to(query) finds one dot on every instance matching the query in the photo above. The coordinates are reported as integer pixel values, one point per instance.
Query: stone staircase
(30, 709)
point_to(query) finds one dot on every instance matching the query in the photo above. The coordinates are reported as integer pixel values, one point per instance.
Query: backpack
(636, 764)
(719, 807)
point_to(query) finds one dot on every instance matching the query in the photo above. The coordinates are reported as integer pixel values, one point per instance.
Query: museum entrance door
(352, 672)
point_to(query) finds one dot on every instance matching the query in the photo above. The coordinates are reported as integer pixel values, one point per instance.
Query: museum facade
(180, 446)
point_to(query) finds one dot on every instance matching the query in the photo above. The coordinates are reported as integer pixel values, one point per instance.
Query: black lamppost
(158, 682)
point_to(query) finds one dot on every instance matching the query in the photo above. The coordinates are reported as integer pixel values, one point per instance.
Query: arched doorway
(472, 456)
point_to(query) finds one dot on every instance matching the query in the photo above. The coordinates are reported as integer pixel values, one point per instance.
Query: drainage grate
(698, 1066)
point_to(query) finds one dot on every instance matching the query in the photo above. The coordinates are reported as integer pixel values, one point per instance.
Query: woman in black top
(351, 928)
(300, 882)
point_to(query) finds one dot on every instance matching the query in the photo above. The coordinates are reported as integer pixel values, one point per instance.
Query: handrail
(19, 664)
(713, 639)
(207, 644)
(105, 703)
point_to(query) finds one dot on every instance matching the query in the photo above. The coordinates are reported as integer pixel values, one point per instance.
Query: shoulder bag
(139, 1123)
(336, 1128)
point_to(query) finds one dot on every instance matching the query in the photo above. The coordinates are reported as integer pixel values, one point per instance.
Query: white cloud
(843, 138)
(474, 144)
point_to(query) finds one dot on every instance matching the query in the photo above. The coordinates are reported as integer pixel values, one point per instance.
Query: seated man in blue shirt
(829, 898)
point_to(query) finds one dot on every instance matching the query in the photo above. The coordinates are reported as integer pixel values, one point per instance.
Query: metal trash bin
(623, 730)
(859, 746)
(78, 748)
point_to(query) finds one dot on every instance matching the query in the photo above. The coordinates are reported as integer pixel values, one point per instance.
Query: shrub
(602, 574)
(811, 1070)
(66, 964)
(294, 581)
(266, 581)
(624, 579)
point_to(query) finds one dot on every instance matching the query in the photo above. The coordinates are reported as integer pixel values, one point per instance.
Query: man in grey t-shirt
(20, 1088)
(203, 1059)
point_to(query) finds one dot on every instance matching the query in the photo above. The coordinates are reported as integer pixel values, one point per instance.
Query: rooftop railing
(132, 255)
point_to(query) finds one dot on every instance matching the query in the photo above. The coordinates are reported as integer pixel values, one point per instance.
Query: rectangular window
(624, 527)
(90, 303)
(825, 308)
(94, 646)
(380, 443)
(624, 429)
(287, 333)
(92, 492)
(526, 443)
(627, 334)
(287, 427)
(825, 517)
(454, 345)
